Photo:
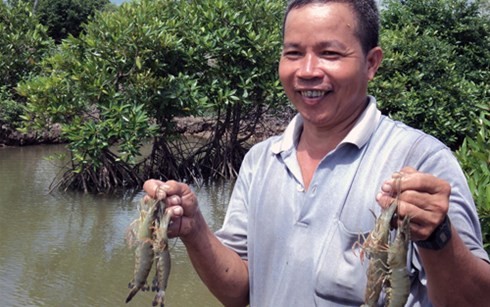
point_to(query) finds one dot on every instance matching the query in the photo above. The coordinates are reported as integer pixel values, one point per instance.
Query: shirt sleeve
(462, 210)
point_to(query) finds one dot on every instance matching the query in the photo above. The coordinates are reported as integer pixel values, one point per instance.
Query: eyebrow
(323, 44)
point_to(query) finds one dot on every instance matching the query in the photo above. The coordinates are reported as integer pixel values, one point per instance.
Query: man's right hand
(182, 202)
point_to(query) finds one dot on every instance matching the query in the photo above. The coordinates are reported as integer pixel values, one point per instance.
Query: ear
(373, 60)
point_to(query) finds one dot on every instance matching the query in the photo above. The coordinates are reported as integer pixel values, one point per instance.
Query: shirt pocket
(341, 276)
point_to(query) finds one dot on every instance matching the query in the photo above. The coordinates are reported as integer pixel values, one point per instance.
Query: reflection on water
(68, 249)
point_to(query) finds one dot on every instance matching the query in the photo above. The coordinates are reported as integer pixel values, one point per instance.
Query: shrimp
(144, 252)
(162, 257)
(398, 281)
(375, 248)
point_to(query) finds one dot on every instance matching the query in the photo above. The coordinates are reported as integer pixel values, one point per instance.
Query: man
(303, 198)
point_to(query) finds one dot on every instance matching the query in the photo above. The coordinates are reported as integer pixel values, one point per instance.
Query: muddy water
(68, 249)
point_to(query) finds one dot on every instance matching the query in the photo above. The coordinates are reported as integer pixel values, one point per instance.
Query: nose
(309, 67)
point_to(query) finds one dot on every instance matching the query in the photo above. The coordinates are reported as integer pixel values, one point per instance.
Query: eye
(330, 54)
(291, 54)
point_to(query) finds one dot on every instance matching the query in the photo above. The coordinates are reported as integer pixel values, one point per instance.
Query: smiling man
(303, 198)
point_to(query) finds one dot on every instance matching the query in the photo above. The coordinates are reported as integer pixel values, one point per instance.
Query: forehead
(320, 19)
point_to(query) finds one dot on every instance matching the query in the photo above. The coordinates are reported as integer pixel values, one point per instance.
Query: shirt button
(313, 189)
(300, 188)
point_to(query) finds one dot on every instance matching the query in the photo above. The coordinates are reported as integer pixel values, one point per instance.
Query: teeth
(312, 94)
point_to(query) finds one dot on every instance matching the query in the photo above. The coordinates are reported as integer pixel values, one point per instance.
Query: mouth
(313, 93)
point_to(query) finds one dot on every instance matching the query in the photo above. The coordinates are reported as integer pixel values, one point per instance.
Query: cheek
(340, 71)
(348, 78)
(286, 75)
(281, 71)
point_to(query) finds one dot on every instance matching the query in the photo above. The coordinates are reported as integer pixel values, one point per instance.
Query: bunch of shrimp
(387, 261)
(149, 234)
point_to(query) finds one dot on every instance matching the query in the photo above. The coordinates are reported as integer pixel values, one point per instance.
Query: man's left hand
(423, 197)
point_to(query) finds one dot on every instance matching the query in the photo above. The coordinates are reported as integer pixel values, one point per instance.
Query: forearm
(220, 268)
(455, 276)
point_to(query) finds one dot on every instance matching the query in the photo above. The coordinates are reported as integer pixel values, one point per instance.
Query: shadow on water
(69, 249)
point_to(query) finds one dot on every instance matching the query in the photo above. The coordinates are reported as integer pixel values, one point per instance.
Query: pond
(69, 249)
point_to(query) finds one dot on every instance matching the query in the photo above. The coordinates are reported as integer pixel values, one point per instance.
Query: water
(69, 249)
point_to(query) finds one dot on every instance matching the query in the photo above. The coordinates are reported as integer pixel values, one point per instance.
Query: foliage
(436, 66)
(233, 47)
(150, 61)
(106, 88)
(10, 110)
(474, 157)
(64, 17)
(484, 7)
(23, 43)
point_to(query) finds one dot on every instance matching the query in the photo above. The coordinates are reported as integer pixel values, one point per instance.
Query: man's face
(323, 68)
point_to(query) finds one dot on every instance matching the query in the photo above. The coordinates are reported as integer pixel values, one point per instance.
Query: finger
(435, 206)
(392, 187)
(424, 201)
(175, 211)
(423, 190)
(421, 182)
(152, 186)
(408, 170)
(384, 199)
(186, 198)
(173, 187)
(173, 200)
(417, 214)
(422, 222)
(176, 217)
(390, 190)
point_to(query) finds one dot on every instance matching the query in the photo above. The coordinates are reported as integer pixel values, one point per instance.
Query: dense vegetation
(23, 44)
(436, 67)
(474, 156)
(63, 18)
(126, 73)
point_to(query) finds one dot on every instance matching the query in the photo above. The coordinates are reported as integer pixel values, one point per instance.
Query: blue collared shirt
(301, 244)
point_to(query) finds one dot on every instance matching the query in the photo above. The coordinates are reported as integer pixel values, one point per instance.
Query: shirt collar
(359, 134)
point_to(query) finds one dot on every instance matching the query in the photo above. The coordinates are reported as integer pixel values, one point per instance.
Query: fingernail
(386, 187)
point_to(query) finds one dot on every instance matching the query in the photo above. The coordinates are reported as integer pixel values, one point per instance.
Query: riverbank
(198, 126)
(202, 127)
(12, 137)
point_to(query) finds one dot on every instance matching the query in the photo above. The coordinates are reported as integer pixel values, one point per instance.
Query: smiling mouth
(313, 94)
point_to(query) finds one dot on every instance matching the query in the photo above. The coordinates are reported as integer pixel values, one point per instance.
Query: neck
(315, 143)
(319, 141)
